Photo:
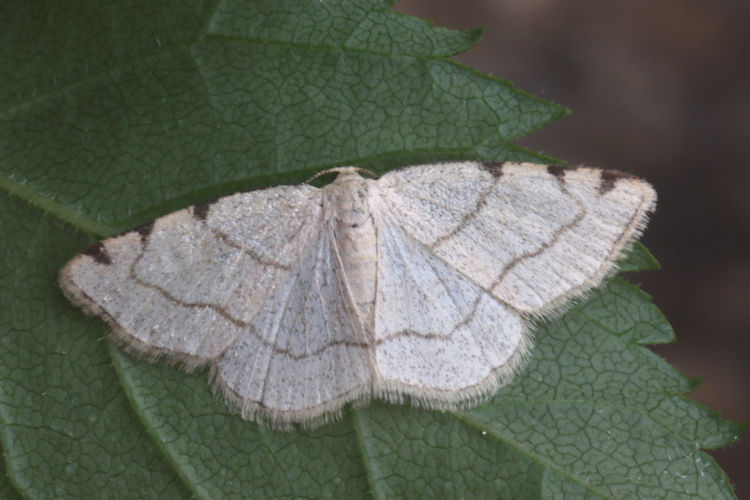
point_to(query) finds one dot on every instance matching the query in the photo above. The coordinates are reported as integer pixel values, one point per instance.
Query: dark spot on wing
(98, 253)
(557, 171)
(609, 178)
(493, 167)
(200, 211)
(144, 230)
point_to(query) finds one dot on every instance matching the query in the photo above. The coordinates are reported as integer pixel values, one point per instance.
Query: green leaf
(639, 259)
(112, 113)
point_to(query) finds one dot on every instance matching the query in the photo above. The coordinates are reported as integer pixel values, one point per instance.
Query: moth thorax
(354, 232)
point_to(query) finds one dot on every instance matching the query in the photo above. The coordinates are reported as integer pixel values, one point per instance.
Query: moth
(419, 286)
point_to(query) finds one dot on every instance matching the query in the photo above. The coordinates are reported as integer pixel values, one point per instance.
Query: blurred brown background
(660, 89)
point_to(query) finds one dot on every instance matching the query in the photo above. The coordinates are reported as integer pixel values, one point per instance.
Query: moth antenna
(339, 170)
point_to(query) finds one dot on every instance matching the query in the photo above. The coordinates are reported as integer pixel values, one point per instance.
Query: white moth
(421, 285)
